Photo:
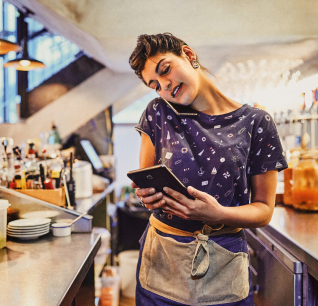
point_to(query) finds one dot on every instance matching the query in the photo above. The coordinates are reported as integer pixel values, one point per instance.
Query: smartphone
(158, 177)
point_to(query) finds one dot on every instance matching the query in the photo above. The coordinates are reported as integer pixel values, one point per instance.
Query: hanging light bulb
(24, 63)
(6, 46)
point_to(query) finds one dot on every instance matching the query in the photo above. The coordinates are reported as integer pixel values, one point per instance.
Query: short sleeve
(147, 122)
(266, 149)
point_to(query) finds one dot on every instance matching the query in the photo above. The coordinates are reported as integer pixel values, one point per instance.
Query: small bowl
(61, 229)
(65, 221)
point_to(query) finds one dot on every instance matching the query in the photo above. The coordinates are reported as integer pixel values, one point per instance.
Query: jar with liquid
(288, 182)
(305, 185)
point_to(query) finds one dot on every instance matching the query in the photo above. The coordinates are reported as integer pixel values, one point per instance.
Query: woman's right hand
(149, 196)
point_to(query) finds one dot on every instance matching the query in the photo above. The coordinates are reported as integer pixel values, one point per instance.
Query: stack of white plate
(28, 228)
(51, 214)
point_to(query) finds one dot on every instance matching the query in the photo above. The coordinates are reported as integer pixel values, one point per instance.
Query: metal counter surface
(297, 232)
(46, 271)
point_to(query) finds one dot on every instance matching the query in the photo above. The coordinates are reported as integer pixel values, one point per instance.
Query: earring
(195, 64)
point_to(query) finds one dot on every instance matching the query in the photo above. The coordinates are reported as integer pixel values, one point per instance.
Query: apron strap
(201, 260)
(206, 230)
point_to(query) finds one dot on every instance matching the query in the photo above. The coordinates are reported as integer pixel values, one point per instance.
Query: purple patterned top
(215, 154)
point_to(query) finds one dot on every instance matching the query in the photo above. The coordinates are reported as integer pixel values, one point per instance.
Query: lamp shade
(6, 46)
(24, 62)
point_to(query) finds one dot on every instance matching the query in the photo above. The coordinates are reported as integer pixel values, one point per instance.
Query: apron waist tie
(201, 260)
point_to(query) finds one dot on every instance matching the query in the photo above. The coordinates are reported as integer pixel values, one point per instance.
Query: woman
(194, 252)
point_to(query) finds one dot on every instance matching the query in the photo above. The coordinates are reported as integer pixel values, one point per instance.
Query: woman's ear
(188, 53)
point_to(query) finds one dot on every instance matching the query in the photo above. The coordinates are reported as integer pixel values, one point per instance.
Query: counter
(49, 271)
(297, 232)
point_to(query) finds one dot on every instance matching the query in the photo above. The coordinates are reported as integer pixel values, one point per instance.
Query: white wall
(126, 151)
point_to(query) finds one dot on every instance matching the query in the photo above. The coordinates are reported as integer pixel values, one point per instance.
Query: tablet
(158, 177)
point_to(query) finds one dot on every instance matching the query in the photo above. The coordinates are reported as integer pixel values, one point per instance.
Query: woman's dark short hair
(150, 45)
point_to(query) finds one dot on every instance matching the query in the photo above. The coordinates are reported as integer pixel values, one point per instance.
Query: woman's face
(172, 76)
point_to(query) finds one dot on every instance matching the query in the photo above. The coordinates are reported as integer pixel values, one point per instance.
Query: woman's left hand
(203, 208)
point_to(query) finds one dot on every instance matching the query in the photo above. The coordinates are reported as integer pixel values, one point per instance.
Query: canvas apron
(197, 273)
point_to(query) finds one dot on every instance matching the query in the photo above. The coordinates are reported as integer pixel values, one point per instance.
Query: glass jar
(288, 177)
(305, 185)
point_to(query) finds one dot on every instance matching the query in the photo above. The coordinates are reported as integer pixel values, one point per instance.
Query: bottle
(10, 158)
(32, 165)
(3, 166)
(305, 184)
(54, 142)
(54, 136)
(71, 183)
(17, 180)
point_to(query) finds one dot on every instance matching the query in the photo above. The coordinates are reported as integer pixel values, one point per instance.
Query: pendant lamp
(6, 46)
(24, 63)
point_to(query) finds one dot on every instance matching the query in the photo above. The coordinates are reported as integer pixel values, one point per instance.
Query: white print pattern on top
(207, 149)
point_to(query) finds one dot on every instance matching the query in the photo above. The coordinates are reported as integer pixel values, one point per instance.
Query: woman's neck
(211, 100)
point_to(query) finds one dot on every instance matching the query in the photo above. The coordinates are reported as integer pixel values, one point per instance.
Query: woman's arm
(147, 159)
(206, 208)
(147, 152)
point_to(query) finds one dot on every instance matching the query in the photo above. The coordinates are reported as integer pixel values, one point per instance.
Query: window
(53, 50)
(8, 77)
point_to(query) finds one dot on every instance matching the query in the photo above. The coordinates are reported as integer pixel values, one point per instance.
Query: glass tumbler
(305, 185)
(4, 204)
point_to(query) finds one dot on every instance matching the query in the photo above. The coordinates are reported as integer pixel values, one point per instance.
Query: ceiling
(220, 31)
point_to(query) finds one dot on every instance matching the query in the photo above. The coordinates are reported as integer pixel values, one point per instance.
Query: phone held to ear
(158, 177)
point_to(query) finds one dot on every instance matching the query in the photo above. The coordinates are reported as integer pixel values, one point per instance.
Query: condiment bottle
(305, 184)
(32, 166)
(10, 158)
(30, 181)
(56, 177)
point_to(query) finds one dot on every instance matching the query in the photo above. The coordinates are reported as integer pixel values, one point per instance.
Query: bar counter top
(297, 232)
(47, 271)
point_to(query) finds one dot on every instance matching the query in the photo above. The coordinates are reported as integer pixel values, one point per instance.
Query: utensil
(80, 216)
(71, 184)
(66, 192)
(42, 176)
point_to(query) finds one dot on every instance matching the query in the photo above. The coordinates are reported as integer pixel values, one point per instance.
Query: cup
(61, 229)
(4, 204)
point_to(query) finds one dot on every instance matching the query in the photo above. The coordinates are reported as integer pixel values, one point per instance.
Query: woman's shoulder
(156, 103)
(259, 115)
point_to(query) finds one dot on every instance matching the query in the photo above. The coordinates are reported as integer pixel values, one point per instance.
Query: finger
(167, 209)
(197, 193)
(144, 192)
(174, 205)
(133, 185)
(175, 194)
(153, 205)
(153, 198)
